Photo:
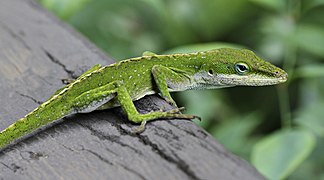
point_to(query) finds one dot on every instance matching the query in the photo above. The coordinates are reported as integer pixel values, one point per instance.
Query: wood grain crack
(16, 36)
(99, 157)
(132, 171)
(114, 138)
(178, 162)
(13, 167)
(56, 61)
(29, 97)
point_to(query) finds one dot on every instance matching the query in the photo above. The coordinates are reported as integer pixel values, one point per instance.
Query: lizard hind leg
(93, 99)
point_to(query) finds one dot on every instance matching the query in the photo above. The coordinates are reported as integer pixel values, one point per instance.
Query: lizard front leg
(169, 78)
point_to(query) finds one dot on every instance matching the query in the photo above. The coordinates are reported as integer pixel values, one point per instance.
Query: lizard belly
(139, 96)
(114, 102)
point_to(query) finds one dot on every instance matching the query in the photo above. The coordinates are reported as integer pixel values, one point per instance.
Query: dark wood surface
(36, 52)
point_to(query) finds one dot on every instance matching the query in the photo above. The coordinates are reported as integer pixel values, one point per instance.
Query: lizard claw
(197, 117)
(181, 108)
(189, 117)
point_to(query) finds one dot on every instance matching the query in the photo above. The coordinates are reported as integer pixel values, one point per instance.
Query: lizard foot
(176, 110)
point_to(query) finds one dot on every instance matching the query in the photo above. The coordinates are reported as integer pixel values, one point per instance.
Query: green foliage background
(279, 129)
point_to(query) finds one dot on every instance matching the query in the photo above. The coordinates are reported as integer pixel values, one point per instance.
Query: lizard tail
(32, 122)
(11, 133)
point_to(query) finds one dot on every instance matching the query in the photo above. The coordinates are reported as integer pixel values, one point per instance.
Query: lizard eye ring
(241, 68)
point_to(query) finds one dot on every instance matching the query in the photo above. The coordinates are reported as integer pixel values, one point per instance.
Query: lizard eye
(241, 68)
(210, 72)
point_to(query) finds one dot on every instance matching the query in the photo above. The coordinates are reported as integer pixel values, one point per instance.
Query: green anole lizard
(122, 83)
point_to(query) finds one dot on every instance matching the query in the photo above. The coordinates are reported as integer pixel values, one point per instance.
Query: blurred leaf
(272, 49)
(312, 118)
(313, 4)
(311, 39)
(202, 103)
(277, 32)
(318, 2)
(310, 71)
(312, 167)
(235, 133)
(64, 9)
(310, 93)
(279, 154)
(278, 5)
(208, 18)
(122, 28)
(126, 28)
(202, 47)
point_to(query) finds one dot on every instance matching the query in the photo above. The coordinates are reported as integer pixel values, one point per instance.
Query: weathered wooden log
(36, 52)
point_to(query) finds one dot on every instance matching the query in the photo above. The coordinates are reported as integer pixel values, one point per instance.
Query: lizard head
(231, 67)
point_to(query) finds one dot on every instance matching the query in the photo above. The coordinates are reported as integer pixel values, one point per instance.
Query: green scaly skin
(122, 83)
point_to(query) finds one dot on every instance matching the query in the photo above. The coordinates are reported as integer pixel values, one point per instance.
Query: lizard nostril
(277, 74)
